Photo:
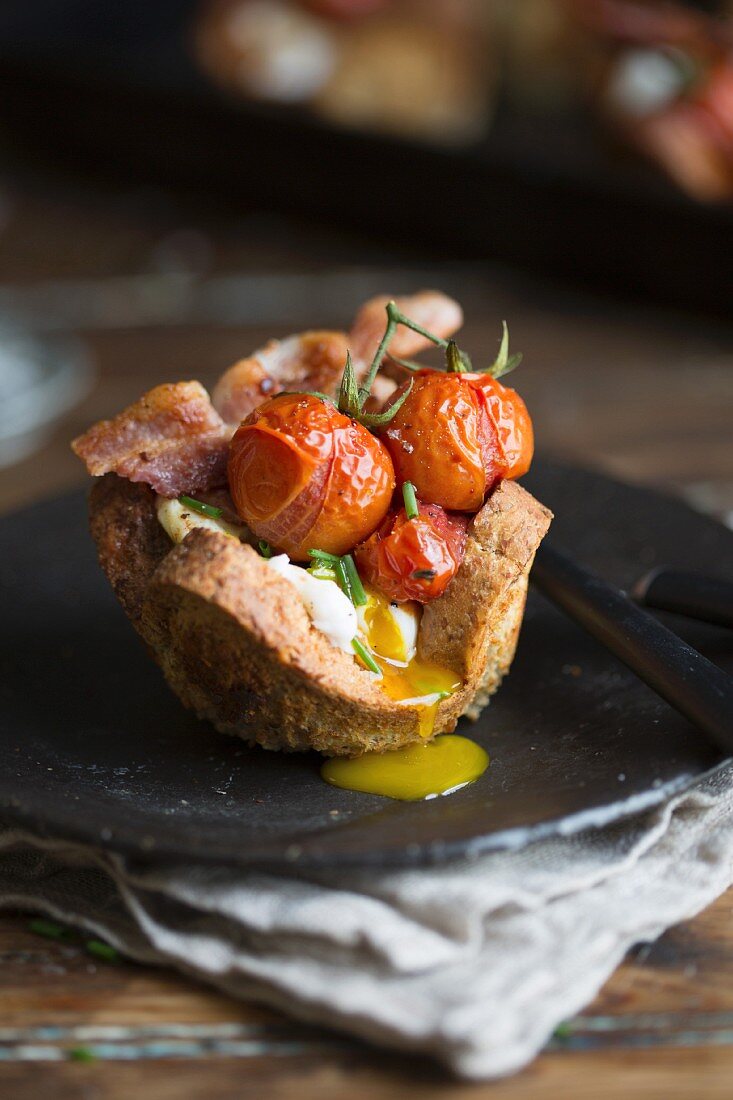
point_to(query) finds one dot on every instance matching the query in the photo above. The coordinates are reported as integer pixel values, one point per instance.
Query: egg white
(328, 608)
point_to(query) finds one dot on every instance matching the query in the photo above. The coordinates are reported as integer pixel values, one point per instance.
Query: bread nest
(236, 645)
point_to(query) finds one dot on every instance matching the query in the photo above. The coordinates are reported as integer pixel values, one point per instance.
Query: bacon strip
(436, 312)
(242, 388)
(172, 439)
(306, 361)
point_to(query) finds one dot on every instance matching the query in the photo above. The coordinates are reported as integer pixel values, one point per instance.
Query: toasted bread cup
(237, 647)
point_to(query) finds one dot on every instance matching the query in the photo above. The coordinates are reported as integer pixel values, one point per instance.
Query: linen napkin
(473, 962)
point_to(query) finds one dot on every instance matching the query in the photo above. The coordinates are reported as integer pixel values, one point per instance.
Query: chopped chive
(342, 578)
(424, 574)
(358, 594)
(345, 572)
(322, 555)
(201, 508)
(563, 1031)
(102, 950)
(408, 495)
(264, 548)
(82, 1054)
(365, 656)
(48, 928)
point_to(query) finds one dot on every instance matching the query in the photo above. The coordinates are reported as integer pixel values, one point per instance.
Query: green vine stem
(352, 398)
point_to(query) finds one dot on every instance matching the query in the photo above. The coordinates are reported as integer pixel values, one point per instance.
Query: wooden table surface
(156, 295)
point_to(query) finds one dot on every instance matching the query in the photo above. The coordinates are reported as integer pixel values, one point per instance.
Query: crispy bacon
(434, 311)
(242, 388)
(172, 439)
(306, 361)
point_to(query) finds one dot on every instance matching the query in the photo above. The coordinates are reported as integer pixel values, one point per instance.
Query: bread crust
(236, 645)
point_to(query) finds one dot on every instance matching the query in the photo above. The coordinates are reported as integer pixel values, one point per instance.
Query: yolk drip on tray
(405, 677)
(413, 773)
(423, 770)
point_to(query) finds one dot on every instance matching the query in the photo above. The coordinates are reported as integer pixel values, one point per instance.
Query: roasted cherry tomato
(414, 559)
(456, 435)
(304, 476)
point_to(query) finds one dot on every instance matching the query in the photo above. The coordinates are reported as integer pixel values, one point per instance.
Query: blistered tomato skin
(456, 435)
(304, 476)
(512, 422)
(414, 559)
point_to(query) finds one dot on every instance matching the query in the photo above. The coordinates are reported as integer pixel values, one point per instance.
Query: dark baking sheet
(93, 746)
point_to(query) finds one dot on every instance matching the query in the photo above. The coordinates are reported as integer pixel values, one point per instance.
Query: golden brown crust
(467, 625)
(236, 645)
(130, 542)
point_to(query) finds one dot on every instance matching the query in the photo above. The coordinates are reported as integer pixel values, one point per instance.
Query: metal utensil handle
(694, 686)
(685, 593)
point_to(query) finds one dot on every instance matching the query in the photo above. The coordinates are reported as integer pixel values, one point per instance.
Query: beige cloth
(474, 963)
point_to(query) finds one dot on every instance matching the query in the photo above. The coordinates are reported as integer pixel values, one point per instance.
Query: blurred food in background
(658, 76)
(417, 67)
(583, 139)
(666, 85)
(176, 176)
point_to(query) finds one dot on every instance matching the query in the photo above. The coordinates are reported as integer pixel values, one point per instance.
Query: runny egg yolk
(390, 628)
(413, 773)
(390, 631)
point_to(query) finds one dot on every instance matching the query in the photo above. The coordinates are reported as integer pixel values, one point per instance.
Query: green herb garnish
(102, 950)
(365, 656)
(424, 574)
(264, 548)
(203, 509)
(323, 555)
(358, 595)
(344, 572)
(49, 928)
(342, 578)
(408, 495)
(82, 1054)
